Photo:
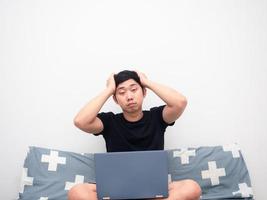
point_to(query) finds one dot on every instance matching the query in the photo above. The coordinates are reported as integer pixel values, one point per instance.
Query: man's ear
(115, 99)
(144, 92)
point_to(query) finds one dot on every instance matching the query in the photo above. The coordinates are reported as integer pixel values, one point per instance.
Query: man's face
(129, 95)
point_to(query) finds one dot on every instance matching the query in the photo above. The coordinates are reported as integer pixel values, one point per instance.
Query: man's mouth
(131, 104)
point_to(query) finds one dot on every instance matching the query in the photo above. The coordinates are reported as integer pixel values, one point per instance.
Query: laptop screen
(131, 175)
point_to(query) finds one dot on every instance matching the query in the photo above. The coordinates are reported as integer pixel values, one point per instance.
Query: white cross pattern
(43, 198)
(53, 159)
(213, 173)
(78, 179)
(244, 190)
(25, 180)
(184, 154)
(234, 148)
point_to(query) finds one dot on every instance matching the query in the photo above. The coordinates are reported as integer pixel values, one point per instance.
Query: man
(133, 129)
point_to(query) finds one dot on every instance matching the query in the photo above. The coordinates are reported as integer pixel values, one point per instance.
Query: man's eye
(121, 93)
(134, 89)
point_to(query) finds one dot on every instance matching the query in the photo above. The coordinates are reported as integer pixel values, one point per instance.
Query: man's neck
(133, 117)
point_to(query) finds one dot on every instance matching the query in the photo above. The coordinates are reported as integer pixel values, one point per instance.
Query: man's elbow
(184, 102)
(78, 122)
(94, 127)
(179, 106)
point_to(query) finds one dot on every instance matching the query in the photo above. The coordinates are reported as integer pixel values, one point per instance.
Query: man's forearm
(89, 112)
(170, 96)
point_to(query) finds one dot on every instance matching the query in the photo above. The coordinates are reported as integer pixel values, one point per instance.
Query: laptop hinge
(106, 198)
(159, 196)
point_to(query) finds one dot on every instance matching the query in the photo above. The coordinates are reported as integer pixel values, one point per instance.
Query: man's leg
(85, 191)
(184, 190)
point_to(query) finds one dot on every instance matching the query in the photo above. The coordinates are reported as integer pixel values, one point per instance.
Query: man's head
(129, 93)
(126, 75)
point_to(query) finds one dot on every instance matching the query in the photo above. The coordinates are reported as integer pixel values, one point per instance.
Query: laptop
(132, 175)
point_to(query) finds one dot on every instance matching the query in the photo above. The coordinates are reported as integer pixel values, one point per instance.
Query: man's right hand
(111, 84)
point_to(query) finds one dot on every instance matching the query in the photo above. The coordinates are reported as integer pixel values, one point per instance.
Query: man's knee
(194, 188)
(82, 192)
(189, 189)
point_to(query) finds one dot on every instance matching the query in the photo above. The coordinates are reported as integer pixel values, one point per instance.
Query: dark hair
(126, 75)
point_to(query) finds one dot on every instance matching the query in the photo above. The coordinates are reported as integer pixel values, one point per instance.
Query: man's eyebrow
(123, 87)
(134, 84)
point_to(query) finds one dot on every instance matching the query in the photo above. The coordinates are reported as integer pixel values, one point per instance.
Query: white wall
(56, 55)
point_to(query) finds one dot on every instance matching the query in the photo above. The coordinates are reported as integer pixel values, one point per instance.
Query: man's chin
(131, 110)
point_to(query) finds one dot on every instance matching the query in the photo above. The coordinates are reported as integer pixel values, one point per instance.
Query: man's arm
(175, 102)
(87, 119)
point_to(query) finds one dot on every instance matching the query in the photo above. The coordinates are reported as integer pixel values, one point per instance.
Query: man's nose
(129, 95)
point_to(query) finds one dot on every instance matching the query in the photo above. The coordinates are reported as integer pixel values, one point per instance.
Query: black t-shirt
(144, 134)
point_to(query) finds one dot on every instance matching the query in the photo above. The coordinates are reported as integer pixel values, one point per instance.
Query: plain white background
(57, 55)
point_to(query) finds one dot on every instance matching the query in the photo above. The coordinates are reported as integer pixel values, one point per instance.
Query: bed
(220, 171)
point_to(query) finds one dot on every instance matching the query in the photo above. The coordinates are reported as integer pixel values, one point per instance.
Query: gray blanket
(220, 171)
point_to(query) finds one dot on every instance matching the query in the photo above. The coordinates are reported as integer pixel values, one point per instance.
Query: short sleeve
(106, 119)
(158, 112)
